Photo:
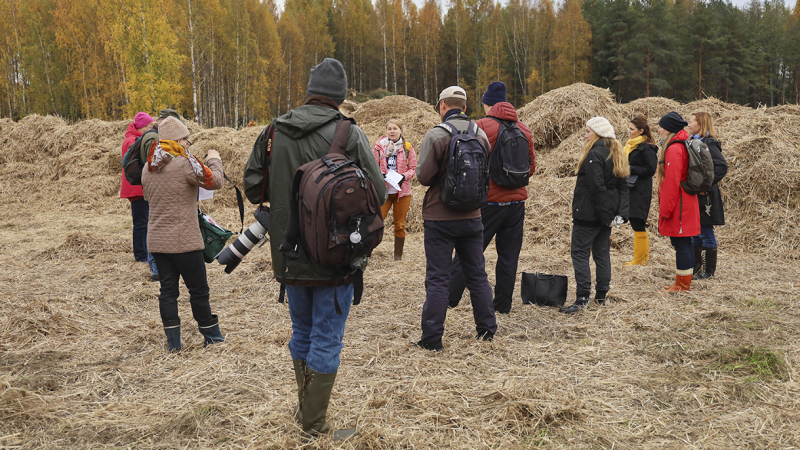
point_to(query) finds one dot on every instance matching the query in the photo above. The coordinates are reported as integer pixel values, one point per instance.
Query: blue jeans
(140, 212)
(706, 237)
(684, 255)
(317, 331)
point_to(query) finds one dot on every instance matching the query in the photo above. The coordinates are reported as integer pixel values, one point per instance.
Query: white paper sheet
(393, 178)
(204, 194)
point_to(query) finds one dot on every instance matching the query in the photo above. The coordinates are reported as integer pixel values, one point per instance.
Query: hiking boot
(600, 297)
(210, 331)
(300, 376)
(486, 336)
(580, 302)
(435, 347)
(398, 248)
(172, 328)
(711, 264)
(316, 396)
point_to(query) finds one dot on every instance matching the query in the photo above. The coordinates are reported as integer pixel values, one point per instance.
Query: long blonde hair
(621, 167)
(706, 124)
(662, 153)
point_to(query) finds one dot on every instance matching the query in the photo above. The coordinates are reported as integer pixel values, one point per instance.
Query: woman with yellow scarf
(642, 156)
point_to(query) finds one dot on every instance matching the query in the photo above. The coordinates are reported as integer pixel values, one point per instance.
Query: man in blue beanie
(503, 215)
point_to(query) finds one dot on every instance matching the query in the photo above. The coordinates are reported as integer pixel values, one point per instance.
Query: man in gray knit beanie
(328, 79)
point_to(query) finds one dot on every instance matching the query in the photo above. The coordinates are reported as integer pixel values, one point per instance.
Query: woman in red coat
(678, 212)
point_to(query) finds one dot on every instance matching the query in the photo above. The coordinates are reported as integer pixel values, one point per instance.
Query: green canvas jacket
(301, 136)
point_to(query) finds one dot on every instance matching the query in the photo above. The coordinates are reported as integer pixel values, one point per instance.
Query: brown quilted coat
(172, 193)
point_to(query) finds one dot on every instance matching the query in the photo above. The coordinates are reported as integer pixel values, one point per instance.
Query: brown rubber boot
(398, 248)
(300, 376)
(682, 283)
(316, 397)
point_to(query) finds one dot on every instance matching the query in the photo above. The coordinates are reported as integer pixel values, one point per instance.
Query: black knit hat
(495, 93)
(672, 122)
(164, 113)
(328, 79)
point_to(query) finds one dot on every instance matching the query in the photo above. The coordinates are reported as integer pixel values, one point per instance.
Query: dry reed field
(82, 351)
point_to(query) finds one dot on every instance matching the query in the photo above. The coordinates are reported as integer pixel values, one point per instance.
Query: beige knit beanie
(602, 127)
(172, 129)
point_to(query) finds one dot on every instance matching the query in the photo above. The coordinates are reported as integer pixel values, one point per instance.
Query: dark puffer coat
(712, 211)
(599, 194)
(644, 162)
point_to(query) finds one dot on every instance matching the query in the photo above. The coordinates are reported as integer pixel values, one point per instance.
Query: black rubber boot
(300, 376)
(600, 297)
(711, 264)
(580, 302)
(698, 260)
(210, 331)
(172, 328)
(317, 390)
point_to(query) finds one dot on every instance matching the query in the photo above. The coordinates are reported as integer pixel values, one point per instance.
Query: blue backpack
(466, 183)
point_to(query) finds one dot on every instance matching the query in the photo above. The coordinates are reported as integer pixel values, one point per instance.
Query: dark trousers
(684, 254)
(504, 222)
(441, 238)
(638, 224)
(192, 267)
(594, 240)
(140, 210)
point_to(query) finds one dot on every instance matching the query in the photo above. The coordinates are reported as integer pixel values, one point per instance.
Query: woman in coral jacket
(392, 152)
(678, 212)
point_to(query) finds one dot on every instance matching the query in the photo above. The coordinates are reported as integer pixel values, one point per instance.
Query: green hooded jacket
(301, 136)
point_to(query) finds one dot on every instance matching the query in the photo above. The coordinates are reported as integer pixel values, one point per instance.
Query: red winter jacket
(126, 190)
(678, 212)
(505, 111)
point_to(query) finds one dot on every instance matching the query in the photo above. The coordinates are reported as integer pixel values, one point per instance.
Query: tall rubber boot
(641, 248)
(172, 328)
(682, 282)
(300, 376)
(711, 264)
(398, 248)
(698, 260)
(210, 331)
(317, 390)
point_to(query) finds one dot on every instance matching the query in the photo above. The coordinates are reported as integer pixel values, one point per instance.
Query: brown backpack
(335, 213)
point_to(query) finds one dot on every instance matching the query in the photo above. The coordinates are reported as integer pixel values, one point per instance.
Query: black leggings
(684, 254)
(638, 224)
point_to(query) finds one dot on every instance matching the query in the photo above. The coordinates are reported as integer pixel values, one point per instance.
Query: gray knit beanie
(172, 129)
(328, 79)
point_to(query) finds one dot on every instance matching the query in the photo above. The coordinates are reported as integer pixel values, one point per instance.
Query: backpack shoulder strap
(449, 127)
(339, 143)
(267, 159)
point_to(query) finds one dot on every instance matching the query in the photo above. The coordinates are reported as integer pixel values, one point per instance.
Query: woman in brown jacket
(170, 183)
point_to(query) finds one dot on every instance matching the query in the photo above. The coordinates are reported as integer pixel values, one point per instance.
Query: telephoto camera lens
(232, 255)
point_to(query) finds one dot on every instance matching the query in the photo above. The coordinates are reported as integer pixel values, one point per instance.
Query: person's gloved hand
(618, 220)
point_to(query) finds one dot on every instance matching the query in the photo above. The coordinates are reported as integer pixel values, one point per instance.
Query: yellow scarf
(633, 143)
(165, 151)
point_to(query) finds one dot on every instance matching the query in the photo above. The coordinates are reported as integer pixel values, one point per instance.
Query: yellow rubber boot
(641, 248)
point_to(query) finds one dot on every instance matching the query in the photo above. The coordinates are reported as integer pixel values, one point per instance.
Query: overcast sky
(789, 3)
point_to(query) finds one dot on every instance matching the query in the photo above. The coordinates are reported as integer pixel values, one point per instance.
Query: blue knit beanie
(495, 93)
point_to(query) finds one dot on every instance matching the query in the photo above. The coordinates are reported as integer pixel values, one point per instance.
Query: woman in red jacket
(393, 153)
(678, 212)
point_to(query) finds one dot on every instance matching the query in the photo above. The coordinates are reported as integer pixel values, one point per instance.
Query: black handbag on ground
(544, 289)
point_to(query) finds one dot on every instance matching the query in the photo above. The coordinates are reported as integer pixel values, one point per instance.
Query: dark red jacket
(126, 190)
(678, 212)
(505, 111)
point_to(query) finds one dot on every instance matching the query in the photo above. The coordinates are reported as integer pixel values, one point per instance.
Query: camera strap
(239, 202)
(267, 161)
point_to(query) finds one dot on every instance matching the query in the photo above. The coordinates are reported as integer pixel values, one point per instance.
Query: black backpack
(510, 162)
(132, 163)
(466, 183)
(335, 213)
(700, 173)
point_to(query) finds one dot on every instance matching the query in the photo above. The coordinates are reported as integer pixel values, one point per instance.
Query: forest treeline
(224, 62)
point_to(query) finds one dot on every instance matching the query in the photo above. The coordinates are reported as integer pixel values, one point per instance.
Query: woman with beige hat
(600, 201)
(170, 180)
